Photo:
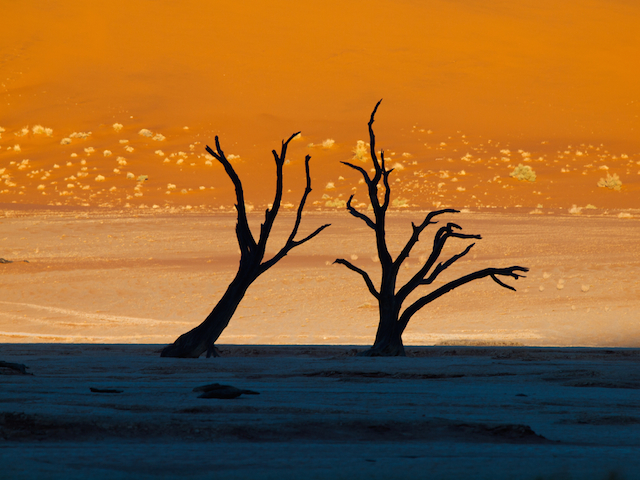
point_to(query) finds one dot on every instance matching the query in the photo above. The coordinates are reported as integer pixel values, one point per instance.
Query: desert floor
(118, 278)
(441, 412)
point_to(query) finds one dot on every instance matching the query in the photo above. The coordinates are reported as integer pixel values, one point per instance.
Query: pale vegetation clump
(612, 182)
(328, 143)
(337, 203)
(400, 203)
(40, 130)
(575, 210)
(523, 172)
(360, 152)
(81, 135)
(117, 127)
(145, 132)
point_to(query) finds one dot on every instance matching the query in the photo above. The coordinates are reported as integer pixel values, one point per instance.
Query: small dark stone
(105, 390)
(14, 367)
(215, 390)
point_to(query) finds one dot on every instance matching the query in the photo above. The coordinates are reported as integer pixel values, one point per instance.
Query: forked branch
(487, 272)
(270, 214)
(291, 242)
(417, 230)
(438, 244)
(245, 238)
(443, 266)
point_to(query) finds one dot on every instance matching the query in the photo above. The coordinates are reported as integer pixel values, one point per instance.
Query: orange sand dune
(555, 85)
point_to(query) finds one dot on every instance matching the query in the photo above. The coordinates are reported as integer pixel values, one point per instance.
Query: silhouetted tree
(202, 338)
(393, 320)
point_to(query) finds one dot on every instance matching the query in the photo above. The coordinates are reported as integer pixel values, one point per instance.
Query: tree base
(189, 346)
(396, 350)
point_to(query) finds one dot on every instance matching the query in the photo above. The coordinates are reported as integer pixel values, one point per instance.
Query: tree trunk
(202, 338)
(386, 346)
(388, 341)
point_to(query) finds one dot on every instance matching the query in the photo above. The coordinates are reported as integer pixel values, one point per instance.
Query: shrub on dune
(612, 182)
(40, 130)
(523, 172)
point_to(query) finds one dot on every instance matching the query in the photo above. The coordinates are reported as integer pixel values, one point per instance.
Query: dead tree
(393, 320)
(202, 338)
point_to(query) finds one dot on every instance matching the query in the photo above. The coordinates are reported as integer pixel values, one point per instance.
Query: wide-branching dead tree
(252, 264)
(393, 320)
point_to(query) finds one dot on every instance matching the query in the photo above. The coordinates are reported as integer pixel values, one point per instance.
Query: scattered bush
(523, 172)
(612, 182)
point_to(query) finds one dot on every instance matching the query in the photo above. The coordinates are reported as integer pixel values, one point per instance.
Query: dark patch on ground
(18, 426)
(589, 419)
(401, 376)
(595, 379)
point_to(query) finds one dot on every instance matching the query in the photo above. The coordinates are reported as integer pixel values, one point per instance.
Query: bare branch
(245, 238)
(385, 181)
(364, 274)
(438, 244)
(291, 243)
(417, 231)
(270, 214)
(487, 272)
(443, 266)
(287, 248)
(361, 170)
(372, 146)
(370, 223)
(303, 200)
(372, 139)
(502, 284)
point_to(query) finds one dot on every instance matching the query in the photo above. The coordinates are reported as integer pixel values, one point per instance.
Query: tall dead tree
(202, 338)
(393, 320)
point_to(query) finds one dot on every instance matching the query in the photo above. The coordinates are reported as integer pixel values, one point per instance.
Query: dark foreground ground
(321, 412)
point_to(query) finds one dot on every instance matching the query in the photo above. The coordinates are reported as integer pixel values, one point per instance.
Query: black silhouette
(202, 338)
(393, 320)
